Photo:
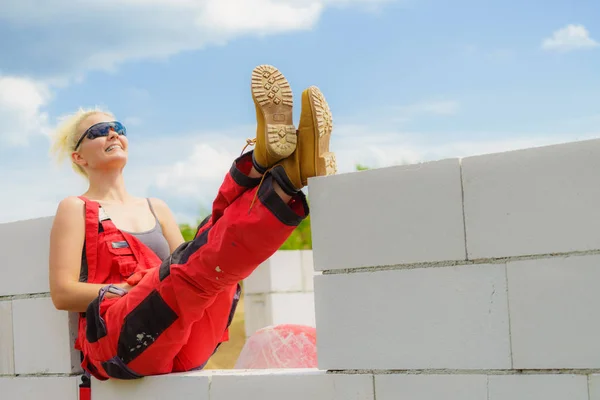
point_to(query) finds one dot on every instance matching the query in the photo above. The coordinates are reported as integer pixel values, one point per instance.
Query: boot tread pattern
(270, 87)
(324, 120)
(323, 113)
(281, 137)
(273, 93)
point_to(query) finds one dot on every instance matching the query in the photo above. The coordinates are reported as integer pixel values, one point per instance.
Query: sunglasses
(102, 129)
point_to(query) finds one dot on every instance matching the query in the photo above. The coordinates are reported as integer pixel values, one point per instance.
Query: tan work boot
(312, 156)
(275, 130)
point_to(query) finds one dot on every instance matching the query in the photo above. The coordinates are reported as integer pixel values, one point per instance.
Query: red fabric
(200, 286)
(85, 393)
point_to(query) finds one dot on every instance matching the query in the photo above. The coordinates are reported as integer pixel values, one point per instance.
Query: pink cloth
(280, 346)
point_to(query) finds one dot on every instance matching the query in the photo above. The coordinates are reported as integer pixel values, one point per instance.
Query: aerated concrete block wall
(280, 291)
(37, 360)
(472, 279)
(464, 279)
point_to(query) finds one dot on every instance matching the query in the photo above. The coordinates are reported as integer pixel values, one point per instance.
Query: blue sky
(407, 81)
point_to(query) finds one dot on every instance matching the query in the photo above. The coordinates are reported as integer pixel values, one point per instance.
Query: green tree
(301, 237)
(188, 231)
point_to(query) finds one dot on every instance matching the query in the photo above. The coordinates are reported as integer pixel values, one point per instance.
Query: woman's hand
(125, 286)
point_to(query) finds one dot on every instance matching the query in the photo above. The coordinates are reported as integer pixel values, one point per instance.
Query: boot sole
(271, 91)
(325, 161)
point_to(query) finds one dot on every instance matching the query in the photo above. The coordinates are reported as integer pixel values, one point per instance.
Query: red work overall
(179, 310)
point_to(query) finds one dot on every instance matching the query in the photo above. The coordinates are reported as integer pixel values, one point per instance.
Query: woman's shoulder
(158, 204)
(71, 206)
(161, 209)
(70, 214)
(71, 203)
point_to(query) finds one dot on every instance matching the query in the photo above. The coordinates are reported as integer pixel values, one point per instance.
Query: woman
(151, 303)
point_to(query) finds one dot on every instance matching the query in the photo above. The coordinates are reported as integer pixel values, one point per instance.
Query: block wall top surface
(245, 384)
(25, 248)
(318, 385)
(397, 215)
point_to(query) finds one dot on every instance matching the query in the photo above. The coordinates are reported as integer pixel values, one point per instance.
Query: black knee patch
(165, 269)
(182, 254)
(143, 326)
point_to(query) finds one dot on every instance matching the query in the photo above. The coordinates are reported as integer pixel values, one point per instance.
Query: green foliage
(188, 231)
(301, 237)
(360, 167)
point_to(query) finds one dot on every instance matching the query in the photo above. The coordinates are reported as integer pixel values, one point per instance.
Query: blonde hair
(66, 136)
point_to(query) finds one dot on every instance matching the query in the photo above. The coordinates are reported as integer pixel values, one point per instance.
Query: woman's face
(104, 152)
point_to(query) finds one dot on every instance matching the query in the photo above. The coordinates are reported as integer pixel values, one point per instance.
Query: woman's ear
(78, 159)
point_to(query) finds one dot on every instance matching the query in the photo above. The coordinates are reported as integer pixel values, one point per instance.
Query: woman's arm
(66, 243)
(168, 224)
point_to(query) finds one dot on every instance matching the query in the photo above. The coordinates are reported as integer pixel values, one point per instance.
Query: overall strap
(92, 227)
(96, 222)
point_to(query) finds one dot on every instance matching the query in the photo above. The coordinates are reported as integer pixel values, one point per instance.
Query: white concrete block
(43, 338)
(7, 360)
(188, 386)
(594, 387)
(397, 215)
(431, 387)
(247, 384)
(37, 388)
(292, 308)
(278, 308)
(292, 385)
(282, 272)
(534, 201)
(427, 318)
(308, 270)
(256, 314)
(552, 305)
(537, 387)
(25, 246)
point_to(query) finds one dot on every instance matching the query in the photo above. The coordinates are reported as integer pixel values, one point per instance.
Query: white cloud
(21, 115)
(233, 17)
(359, 145)
(199, 174)
(102, 35)
(571, 37)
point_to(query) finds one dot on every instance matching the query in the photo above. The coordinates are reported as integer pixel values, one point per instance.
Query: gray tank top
(154, 238)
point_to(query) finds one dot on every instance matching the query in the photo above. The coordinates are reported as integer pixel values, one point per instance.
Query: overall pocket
(124, 259)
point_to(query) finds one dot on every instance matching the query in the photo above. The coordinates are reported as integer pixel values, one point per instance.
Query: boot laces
(249, 142)
(258, 188)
